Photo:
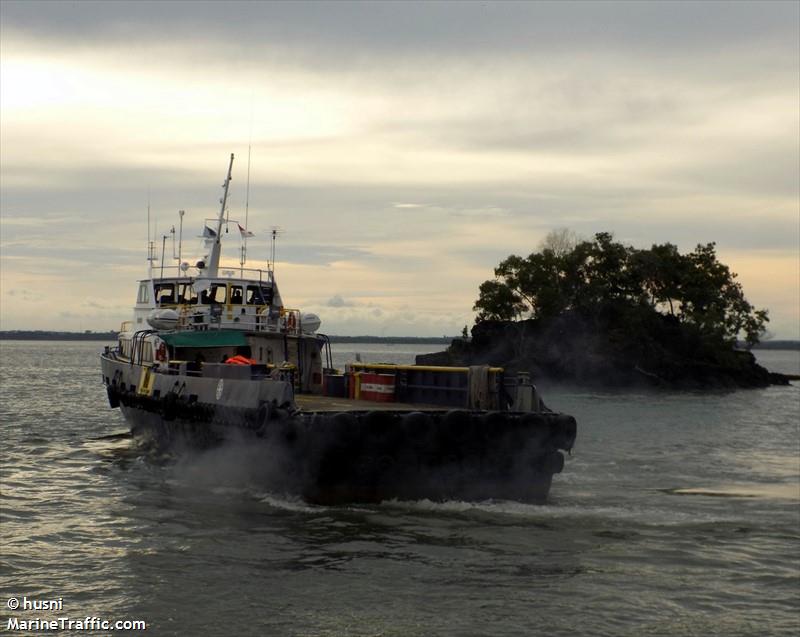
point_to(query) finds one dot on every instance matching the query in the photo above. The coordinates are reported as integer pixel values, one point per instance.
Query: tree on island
(620, 287)
(599, 312)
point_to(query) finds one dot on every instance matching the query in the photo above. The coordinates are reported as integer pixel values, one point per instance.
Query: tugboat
(211, 357)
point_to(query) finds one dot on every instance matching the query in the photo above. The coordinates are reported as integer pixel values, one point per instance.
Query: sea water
(678, 513)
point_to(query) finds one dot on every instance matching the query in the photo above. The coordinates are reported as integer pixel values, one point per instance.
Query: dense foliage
(605, 278)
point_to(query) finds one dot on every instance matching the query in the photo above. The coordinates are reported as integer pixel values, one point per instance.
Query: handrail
(178, 307)
(228, 316)
(417, 368)
(224, 274)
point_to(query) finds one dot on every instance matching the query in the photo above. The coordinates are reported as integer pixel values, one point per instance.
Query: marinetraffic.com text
(26, 606)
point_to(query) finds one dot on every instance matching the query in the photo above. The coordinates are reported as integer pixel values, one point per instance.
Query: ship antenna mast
(271, 264)
(216, 250)
(180, 236)
(243, 259)
(163, 245)
(151, 247)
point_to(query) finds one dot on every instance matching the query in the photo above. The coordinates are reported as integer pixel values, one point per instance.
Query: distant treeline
(43, 335)
(777, 345)
(40, 335)
(405, 340)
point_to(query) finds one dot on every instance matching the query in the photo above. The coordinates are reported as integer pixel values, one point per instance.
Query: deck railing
(224, 316)
(229, 272)
(213, 317)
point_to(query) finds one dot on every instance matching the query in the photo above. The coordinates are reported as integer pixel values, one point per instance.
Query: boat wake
(288, 502)
(778, 491)
(123, 435)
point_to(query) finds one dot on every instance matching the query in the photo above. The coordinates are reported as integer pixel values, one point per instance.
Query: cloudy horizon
(404, 149)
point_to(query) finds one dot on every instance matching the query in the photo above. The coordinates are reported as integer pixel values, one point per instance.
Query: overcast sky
(404, 148)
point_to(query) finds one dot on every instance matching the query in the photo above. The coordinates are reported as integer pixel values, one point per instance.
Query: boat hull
(356, 456)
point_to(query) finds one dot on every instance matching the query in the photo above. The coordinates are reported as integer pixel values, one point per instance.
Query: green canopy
(211, 338)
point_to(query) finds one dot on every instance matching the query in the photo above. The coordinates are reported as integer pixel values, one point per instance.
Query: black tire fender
(261, 423)
(113, 397)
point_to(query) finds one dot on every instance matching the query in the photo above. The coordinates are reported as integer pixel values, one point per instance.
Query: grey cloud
(38, 256)
(735, 233)
(772, 170)
(595, 132)
(337, 301)
(21, 293)
(757, 232)
(484, 212)
(94, 191)
(622, 85)
(350, 28)
(317, 254)
(89, 316)
(351, 221)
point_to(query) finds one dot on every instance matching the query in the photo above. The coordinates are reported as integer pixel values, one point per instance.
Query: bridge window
(236, 295)
(253, 296)
(186, 294)
(165, 293)
(144, 293)
(215, 294)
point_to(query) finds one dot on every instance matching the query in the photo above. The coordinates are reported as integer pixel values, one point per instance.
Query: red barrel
(377, 387)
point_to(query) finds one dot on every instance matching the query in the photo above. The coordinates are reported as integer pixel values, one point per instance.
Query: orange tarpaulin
(240, 360)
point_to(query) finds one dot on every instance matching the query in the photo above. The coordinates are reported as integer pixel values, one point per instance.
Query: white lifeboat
(163, 319)
(310, 322)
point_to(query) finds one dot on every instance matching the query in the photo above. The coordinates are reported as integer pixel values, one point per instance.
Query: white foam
(647, 516)
(287, 502)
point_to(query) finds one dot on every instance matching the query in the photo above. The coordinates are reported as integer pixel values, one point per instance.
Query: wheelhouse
(248, 304)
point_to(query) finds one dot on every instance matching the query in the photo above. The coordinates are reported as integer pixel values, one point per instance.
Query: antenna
(163, 244)
(213, 260)
(180, 235)
(243, 259)
(151, 248)
(271, 264)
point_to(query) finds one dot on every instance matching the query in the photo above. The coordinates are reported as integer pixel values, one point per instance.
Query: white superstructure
(208, 297)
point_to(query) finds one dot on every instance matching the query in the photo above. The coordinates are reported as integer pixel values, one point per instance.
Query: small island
(601, 313)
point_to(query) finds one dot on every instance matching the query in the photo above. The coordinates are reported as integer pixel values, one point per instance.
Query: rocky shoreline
(576, 350)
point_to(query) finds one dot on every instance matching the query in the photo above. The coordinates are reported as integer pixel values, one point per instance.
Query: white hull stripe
(377, 389)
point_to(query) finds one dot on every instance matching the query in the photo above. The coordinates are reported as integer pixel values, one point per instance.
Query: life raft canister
(240, 360)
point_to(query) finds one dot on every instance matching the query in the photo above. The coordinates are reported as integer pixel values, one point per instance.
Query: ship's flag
(245, 233)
